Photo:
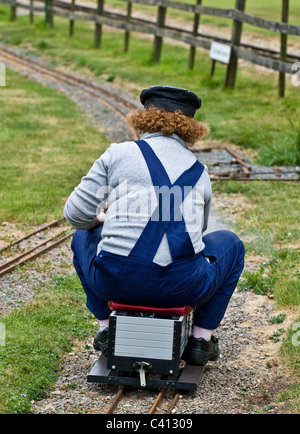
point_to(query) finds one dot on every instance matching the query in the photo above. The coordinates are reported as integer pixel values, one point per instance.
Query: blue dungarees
(135, 279)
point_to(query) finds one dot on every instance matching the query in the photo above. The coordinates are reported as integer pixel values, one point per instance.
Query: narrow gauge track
(157, 401)
(224, 164)
(221, 168)
(39, 248)
(242, 172)
(115, 102)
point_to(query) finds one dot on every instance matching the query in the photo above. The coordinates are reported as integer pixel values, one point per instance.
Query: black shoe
(199, 351)
(101, 341)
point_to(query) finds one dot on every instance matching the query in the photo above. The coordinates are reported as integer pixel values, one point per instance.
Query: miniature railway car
(145, 346)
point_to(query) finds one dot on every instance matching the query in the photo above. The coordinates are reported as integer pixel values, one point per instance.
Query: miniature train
(145, 348)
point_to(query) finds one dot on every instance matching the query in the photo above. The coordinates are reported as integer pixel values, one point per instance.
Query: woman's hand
(99, 220)
(100, 217)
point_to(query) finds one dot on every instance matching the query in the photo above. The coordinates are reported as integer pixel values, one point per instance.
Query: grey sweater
(121, 178)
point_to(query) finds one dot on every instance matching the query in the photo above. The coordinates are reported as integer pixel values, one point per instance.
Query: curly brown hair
(153, 120)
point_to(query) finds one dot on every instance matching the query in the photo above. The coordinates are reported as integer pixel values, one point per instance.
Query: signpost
(220, 53)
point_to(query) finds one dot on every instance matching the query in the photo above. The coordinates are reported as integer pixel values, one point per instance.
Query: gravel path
(245, 379)
(19, 286)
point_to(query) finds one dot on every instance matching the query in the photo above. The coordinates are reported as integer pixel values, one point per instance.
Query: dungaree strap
(178, 237)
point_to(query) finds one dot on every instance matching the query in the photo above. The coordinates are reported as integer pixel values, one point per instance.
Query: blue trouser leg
(84, 247)
(227, 254)
(227, 260)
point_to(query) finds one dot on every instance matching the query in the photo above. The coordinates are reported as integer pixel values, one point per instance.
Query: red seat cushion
(180, 310)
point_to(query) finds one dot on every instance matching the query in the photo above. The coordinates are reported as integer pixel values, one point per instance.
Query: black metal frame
(157, 366)
(187, 380)
(147, 372)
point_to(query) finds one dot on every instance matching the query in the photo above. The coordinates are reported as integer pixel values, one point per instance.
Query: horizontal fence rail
(280, 61)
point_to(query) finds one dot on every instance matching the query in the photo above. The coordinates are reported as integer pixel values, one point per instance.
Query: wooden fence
(279, 61)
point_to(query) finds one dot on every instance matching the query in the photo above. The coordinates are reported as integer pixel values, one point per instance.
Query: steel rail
(249, 174)
(246, 166)
(27, 252)
(121, 393)
(157, 401)
(47, 226)
(243, 178)
(98, 91)
(93, 89)
(115, 401)
(14, 263)
(69, 76)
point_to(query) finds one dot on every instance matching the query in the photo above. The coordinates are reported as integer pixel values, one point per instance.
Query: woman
(151, 249)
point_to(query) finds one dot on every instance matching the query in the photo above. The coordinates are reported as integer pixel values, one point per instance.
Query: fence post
(49, 13)
(191, 61)
(127, 32)
(46, 11)
(13, 12)
(51, 16)
(31, 16)
(237, 28)
(71, 24)
(158, 40)
(283, 46)
(98, 27)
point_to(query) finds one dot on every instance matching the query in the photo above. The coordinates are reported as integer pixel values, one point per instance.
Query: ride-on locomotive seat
(146, 340)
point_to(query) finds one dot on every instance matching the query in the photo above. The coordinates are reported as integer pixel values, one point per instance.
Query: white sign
(296, 75)
(220, 52)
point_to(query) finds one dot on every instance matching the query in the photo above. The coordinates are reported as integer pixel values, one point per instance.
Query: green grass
(268, 9)
(251, 115)
(271, 224)
(270, 227)
(37, 336)
(47, 145)
(44, 140)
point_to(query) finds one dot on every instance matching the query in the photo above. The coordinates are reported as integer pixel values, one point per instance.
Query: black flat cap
(171, 99)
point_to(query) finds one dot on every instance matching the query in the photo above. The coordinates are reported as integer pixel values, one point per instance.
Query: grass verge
(265, 9)
(37, 335)
(251, 115)
(47, 146)
(269, 226)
